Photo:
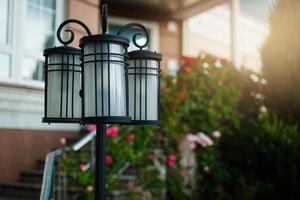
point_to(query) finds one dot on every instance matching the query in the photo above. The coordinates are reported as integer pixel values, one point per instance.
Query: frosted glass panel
(109, 92)
(143, 89)
(89, 90)
(63, 87)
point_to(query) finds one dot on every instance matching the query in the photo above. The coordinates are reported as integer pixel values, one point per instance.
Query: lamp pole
(100, 162)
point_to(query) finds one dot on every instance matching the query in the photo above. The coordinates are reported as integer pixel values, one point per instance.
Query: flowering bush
(209, 112)
(125, 146)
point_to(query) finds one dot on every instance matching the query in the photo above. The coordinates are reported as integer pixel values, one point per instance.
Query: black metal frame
(142, 55)
(72, 68)
(139, 56)
(65, 52)
(104, 40)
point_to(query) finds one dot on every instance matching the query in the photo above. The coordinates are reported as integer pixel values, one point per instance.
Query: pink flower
(82, 166)
(91, 127)
(89, 188)
(192, 138)
(108, 160)
(130, 138)
(63, 141)
(216, 134)
(112, 131)
(204, 140)
(171, 160)
(192, 145)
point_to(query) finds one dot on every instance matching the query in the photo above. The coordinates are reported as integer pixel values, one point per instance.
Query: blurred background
(230, 100)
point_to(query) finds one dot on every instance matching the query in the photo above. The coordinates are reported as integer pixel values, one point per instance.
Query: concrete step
(15, 198)
(20, 190)
(26, 191)
(32, 176)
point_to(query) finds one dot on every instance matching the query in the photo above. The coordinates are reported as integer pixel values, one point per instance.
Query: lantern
(104, 80)
(62, 85)
(144, 85)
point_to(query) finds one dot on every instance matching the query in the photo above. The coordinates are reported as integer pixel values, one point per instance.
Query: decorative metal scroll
(72, 37)
(135, 36)
(124, 28)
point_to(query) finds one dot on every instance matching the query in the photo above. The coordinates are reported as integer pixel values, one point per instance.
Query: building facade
(29, 26)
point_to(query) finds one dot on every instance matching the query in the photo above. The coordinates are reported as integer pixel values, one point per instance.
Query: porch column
(234, 27)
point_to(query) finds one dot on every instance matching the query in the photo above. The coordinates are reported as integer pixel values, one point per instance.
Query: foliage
(250, 160)
(126, 145)
(281, 61)
(261, 163)
(217, 141)
(209, 94)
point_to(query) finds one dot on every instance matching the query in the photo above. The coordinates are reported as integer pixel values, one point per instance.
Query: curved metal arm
(70, 40)
(134, 38)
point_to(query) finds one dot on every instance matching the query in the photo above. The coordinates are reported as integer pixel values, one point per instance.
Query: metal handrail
(49, 172)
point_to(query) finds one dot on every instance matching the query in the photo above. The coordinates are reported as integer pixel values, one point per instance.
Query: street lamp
(101, 83)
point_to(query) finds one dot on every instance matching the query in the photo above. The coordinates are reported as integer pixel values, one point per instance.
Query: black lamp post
(101, 83)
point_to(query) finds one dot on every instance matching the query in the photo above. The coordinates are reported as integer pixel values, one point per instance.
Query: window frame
(16, 44)
(7, 48)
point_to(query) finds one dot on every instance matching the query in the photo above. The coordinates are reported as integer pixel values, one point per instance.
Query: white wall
(209, 32)
(22, 108)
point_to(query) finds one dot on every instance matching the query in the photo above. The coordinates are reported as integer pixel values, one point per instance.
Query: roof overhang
(161, 9)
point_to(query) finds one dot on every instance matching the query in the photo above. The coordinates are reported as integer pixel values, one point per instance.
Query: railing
(58, 189)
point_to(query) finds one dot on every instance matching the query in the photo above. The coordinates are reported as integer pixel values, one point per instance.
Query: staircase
(28, 188)
(30, 182)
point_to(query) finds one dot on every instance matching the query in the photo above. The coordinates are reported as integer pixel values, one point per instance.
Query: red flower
(188, 60)
(91, 127)
(130, 138)
(171, 160)
(185, 69)
(112, 131)
(181, 95)
(108, 160)
(82, 166)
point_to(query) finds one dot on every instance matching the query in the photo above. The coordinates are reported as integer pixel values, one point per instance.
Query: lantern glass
(63, 83)
(143, 79)
(104, 77)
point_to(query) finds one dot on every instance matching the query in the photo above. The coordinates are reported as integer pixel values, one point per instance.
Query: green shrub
(256, 157)
(262, 162)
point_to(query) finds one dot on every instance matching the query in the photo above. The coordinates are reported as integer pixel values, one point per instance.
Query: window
(29, 27)
(4, 15)
(40, 24)
(5, 53)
